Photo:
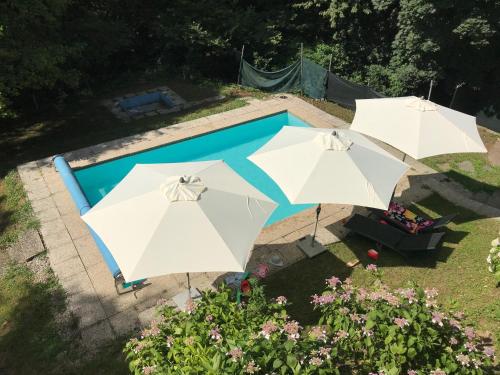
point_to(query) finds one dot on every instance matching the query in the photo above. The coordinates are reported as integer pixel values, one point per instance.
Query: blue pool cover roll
(83, 206)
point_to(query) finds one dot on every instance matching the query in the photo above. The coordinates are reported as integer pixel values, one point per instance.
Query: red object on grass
(245, 287)
(373, 254)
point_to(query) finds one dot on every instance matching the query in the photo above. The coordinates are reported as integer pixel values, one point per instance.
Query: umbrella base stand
(181, 299)
(305, 244)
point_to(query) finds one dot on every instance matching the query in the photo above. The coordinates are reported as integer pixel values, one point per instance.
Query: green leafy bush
(493, 259)
(374, 331)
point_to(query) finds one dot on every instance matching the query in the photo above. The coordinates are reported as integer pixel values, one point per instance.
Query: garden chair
(403, 218)
(393, 238)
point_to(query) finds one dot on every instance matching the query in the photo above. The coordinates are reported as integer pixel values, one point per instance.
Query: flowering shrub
(376, 331)
(399, 331)
(493, 259)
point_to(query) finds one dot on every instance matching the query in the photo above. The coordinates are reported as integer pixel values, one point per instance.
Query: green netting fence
(309, 78)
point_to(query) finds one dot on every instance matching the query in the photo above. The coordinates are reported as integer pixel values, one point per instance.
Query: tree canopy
(50, 48)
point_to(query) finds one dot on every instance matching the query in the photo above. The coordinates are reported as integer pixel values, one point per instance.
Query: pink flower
(453, 341)
(431, 293)
(316, 361)
(209, 318)
(235, 354)
(325, 352)
(190, 306)
(470, 346)
(148, 370)
(333, 282)
(355, 318)
(215, 334)
(470, 333)
(409, 294)
(401, 322)
(252, 368)
(170, 341)
(268, 328)
(346, 296)
(455, 323)
(348, 281)
(362, 294)
(343, 311)
(391, 299)
(281, 300)
(340, 335)
(411, 372)
(438, 372)
(161, 302)
(371, 267)
(323, 299)
(367, 332)
(318, 333)
(292, 330)
(489, 351)
(437, 318)
(463, 359)
(139, 346)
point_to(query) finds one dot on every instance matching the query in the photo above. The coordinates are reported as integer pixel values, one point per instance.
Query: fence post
(301, 67)
(241, 63)
(455, 93)
(430, 89)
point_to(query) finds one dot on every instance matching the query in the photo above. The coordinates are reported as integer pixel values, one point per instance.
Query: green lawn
(458, 270)
(485, 176)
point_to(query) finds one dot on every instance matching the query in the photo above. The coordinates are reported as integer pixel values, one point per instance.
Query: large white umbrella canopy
(181, 217)
(418, 127)
(315, 165)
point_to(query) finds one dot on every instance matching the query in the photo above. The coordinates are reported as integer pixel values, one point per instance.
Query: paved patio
(78, 264)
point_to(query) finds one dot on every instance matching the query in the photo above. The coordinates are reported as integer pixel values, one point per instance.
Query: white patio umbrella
(329, 166)
(181, 217)
(418, 127)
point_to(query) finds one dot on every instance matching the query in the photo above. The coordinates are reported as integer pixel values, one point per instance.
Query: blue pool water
(232, 145)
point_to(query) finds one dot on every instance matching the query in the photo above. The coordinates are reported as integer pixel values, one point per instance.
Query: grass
(485, 176)
(16, 215)
(458, 270)
(332, 108)
(30, 337)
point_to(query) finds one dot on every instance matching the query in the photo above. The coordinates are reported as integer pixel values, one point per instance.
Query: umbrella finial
(335, 141)
(183, 188)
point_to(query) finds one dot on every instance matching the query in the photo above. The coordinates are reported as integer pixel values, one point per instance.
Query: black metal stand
(318, 211)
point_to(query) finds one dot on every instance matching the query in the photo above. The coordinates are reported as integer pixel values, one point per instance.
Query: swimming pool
(232, 145)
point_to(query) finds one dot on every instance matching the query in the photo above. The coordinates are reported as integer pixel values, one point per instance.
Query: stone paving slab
(27, 247)
(78, 264)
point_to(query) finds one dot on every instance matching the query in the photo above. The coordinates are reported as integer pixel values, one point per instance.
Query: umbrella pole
(189, 284)
(318, 211)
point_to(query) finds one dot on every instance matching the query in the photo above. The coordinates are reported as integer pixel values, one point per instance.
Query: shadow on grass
(301, 280)
(31, 341)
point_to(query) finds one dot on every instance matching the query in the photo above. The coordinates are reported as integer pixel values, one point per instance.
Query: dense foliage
(376, 331)
(53, 48)
(493, 259)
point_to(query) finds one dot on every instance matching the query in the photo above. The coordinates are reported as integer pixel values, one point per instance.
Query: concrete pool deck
(78, 264)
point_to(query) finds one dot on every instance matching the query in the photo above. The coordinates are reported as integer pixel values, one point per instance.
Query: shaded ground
(458, 270)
